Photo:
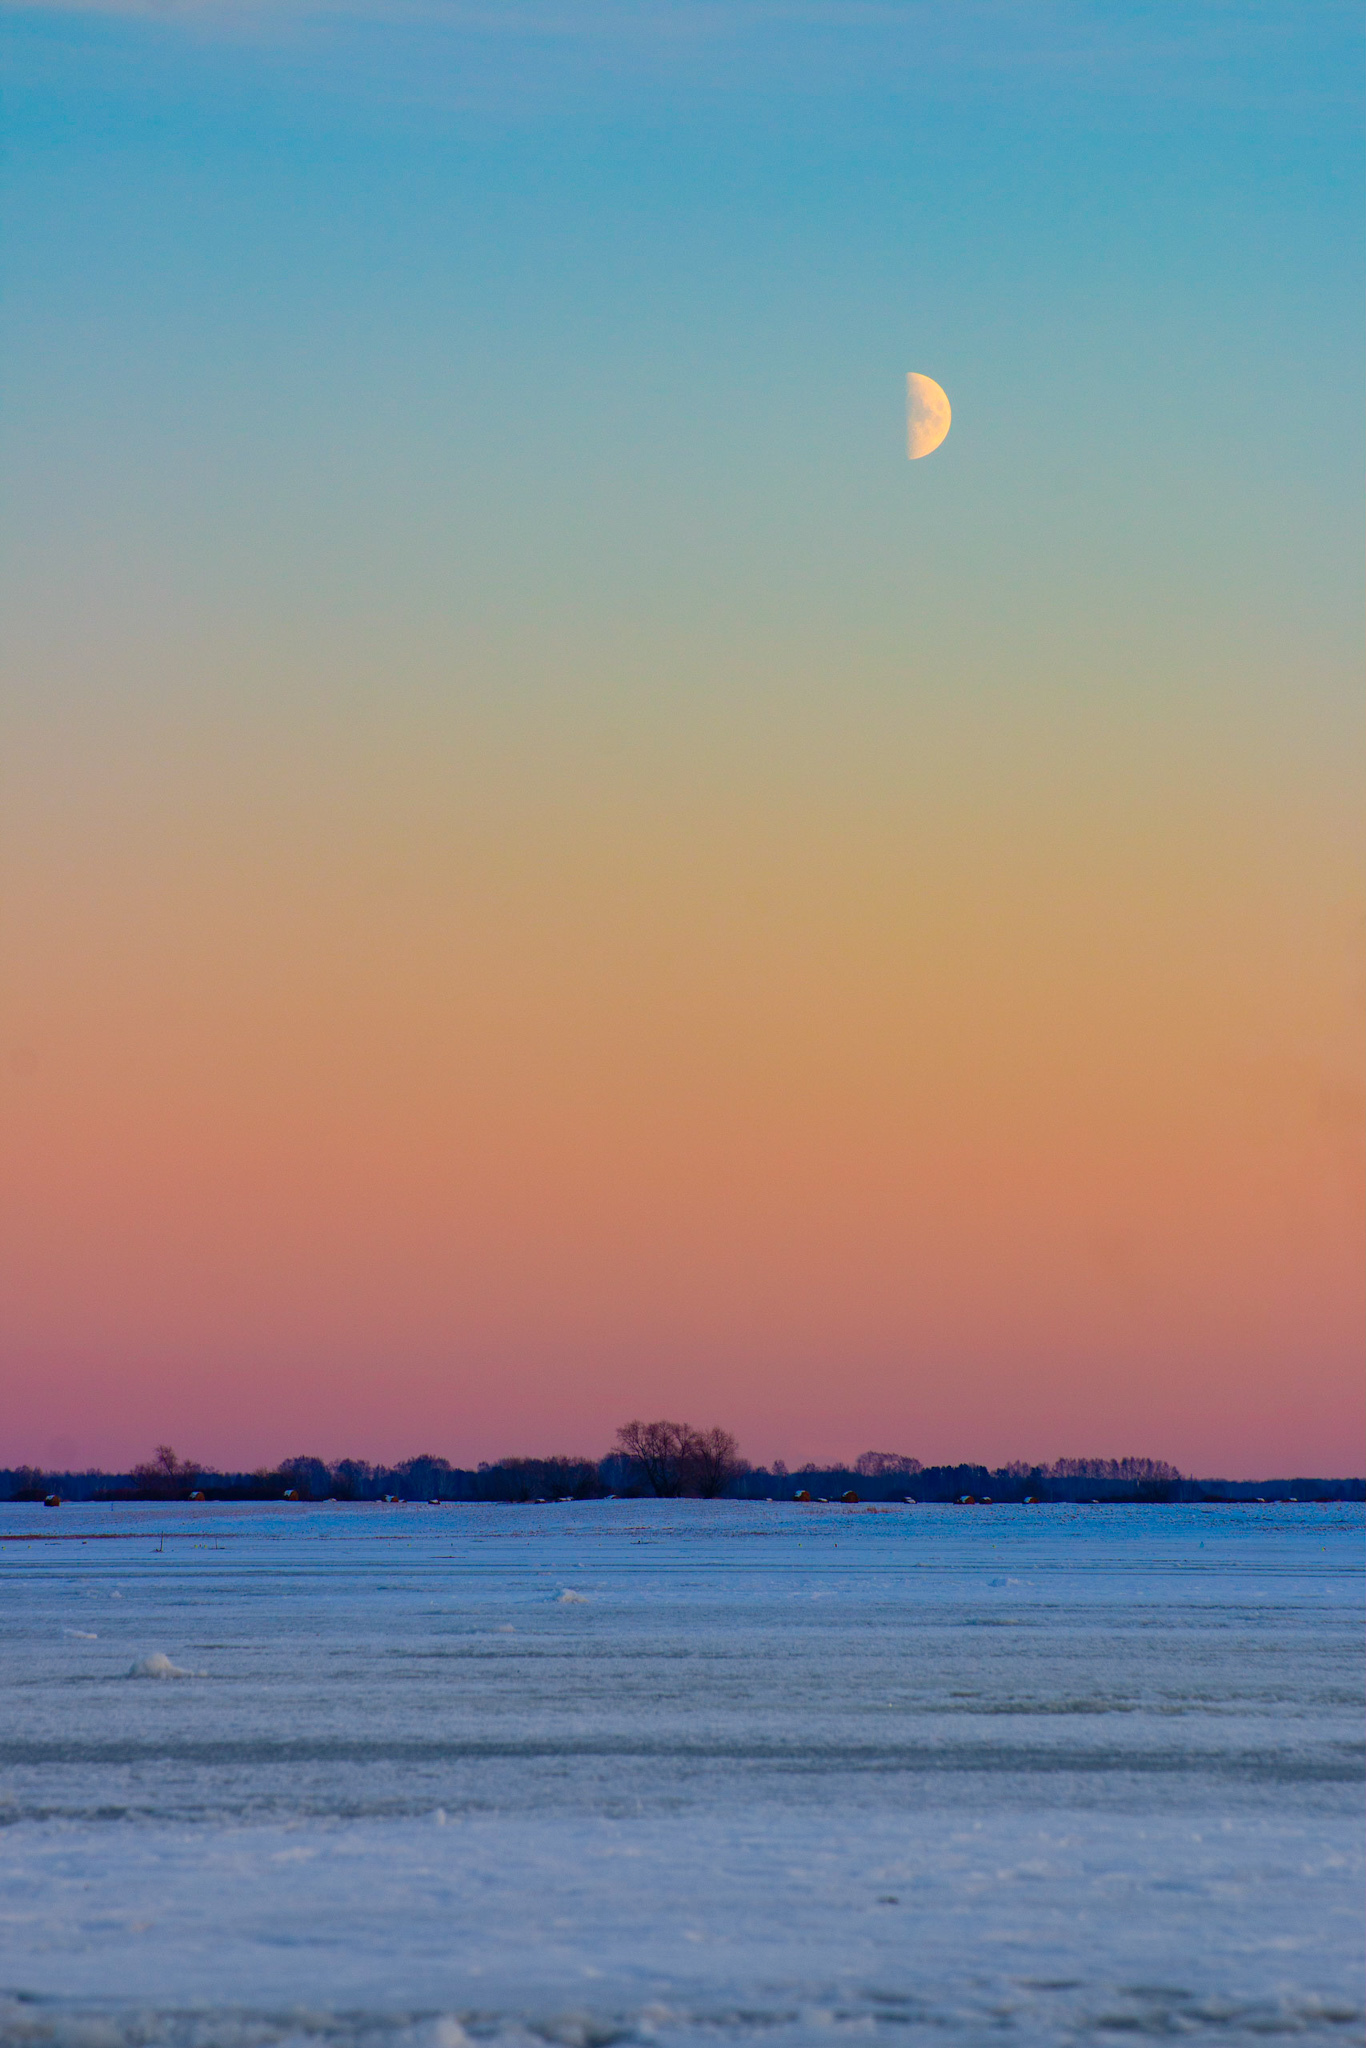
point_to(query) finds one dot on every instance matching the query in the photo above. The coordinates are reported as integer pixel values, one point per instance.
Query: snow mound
(159, 1665)
(442, 2032)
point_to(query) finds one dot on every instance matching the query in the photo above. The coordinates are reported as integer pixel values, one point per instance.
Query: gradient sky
(548, 873)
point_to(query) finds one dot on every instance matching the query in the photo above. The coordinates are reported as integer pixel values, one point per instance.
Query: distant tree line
(1143, 1471)
(665, 1460)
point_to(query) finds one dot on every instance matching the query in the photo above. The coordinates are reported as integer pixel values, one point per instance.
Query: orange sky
(896, 1093)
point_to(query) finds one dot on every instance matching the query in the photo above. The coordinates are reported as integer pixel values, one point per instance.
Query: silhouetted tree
(676, 1458)
(351, 1478)
(710, 1460)
(658, 1448)
(882, 1464)
(267, 1482)
(309, 1477)
(165, 1477)
(425, 1477)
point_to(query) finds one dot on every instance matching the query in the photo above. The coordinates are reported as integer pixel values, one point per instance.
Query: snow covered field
(679, 1771)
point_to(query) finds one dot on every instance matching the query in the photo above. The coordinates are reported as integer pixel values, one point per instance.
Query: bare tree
(880, 1464)
(350, 1477)
(659, 1449)
(166, 1477)
(1150, 1469)
(675, 1458)
(710, 1461)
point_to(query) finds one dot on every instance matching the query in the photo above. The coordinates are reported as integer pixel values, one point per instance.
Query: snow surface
(673, 1771)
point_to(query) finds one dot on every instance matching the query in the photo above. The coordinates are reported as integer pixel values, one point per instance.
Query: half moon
(928, 415)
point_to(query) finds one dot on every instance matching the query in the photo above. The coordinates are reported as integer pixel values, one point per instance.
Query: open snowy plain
(668, 1772)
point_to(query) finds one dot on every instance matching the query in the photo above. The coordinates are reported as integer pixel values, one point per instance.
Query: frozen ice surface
(778, 1772)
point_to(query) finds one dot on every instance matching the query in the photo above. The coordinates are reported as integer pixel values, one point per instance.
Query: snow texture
(770, 1772)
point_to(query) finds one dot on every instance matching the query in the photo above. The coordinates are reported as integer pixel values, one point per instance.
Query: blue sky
(714, 237)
